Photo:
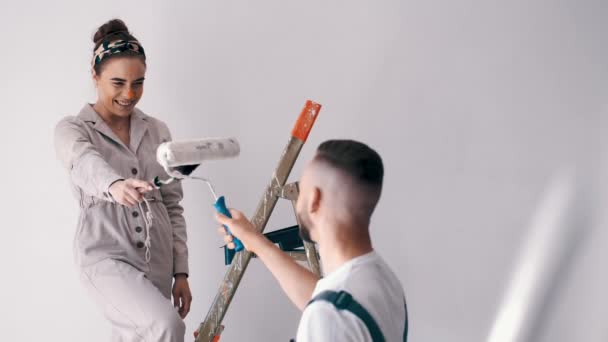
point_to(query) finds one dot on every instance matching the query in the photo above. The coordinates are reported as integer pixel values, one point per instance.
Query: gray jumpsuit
(109, 248)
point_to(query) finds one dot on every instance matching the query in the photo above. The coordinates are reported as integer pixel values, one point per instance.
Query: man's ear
(315, 200)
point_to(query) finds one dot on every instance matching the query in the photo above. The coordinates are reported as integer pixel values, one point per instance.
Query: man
(360, 299)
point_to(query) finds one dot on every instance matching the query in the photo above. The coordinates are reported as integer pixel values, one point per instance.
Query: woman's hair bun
(111, 27)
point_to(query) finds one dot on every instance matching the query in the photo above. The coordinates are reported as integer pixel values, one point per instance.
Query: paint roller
(181, 158)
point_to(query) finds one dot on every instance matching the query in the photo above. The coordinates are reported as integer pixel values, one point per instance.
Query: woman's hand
(130, 191)
(181, 295)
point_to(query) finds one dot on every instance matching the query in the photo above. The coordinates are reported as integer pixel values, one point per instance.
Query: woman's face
(120, 85)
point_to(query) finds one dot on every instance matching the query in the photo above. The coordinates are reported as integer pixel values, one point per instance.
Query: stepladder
(211, 327)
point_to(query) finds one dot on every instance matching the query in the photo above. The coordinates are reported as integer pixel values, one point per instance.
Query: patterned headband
(107, 49)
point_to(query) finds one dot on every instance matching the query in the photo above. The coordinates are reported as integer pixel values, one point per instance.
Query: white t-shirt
(371, 283)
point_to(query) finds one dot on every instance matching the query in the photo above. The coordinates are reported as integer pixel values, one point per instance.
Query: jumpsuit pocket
(103, 231)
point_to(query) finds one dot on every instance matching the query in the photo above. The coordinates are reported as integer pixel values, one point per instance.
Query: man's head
(339, 187)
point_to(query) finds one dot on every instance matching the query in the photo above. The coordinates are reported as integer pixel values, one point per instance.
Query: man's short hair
(355, 159)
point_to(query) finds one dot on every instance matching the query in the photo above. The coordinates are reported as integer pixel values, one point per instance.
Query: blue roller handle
(220, 206)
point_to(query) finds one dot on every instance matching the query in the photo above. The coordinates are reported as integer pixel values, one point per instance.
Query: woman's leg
(137, 310)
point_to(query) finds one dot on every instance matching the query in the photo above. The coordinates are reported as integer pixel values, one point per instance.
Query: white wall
(472, 104)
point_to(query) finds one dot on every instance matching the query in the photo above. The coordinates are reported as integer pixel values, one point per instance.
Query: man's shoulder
(374, 286)
(373, 268)
(322, 321)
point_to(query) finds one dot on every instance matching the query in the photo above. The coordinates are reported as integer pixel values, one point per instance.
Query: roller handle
(220, 206)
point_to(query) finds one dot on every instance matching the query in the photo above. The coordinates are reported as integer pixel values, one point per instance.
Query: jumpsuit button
(134, 171)
(135, 214)
(140, 244)
(138, 229)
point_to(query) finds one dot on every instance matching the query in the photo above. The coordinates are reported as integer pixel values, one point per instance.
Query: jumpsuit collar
(139, 126)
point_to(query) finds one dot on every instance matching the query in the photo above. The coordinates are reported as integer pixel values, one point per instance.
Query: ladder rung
(288, 239)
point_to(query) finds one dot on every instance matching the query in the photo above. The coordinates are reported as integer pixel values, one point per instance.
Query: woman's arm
(86, 166)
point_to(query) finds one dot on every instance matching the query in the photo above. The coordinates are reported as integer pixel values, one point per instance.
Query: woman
(131, 238)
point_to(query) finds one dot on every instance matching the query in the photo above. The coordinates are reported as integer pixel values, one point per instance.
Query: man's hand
(129, 192)
(297, 281)
(240, 227)
(181, 295)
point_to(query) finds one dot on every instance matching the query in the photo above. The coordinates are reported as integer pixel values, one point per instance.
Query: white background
(472, 104)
